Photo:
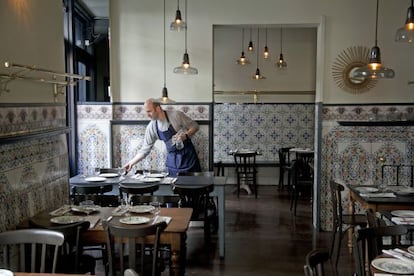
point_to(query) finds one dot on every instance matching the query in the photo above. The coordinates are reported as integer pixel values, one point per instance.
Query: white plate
(66, 219)
(159, 175)
(411, 249)
(109, 175)
(403, 213)
(134, 220)
(95, 179)
(151, 179)
(366, 189)
(87, 209)
(5, 272)
(392, 265)
(141, 209)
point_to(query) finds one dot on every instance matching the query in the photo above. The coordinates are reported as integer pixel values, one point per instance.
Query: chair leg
(281, 176)
(238, 186)
(255, 186)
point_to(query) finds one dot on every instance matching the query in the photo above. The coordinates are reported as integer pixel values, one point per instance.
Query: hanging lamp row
(243, 60)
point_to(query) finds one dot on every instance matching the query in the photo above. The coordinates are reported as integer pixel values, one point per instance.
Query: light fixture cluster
(185, 68)
(243, 60)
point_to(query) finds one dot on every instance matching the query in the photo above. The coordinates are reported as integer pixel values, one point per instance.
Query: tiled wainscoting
(110, 135)
(350, 154)
(33, 160)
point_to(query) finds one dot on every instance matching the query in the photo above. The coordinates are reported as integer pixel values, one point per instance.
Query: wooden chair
(285, 166)
(81, 193)
(131, 243)
(71, 259)
(302, 183)
(137, 189)
(316, 260)
(15, 243)
(341, 222)
(246, 170)
(198, 198)
(368, 243)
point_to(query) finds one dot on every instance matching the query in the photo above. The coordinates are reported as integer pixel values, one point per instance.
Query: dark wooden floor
(262, 238)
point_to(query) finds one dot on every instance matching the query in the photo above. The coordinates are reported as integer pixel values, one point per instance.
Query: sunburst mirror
(346, 63)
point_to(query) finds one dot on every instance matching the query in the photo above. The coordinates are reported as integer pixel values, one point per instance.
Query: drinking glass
(157, 206)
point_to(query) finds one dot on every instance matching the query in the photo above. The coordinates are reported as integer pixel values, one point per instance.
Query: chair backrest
(301, 171)
(165, 201)
(91, 190)
(14, 247)
(245, 162)
(204, 173)
(195, 197)
(284, 156)
(129, 240)
(315, 262)
(140, 189)
(336, 199)
(72, 244)
(370, 241)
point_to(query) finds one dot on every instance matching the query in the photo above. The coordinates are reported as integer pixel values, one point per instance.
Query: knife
(404, 253)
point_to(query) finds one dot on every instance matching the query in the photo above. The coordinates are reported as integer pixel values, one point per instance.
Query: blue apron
(184, 160)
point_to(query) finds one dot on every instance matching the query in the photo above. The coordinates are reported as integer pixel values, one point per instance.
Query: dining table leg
(178, 254)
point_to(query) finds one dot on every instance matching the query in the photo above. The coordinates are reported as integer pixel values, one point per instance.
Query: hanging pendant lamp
(374, 69)
(178, 24)
(257, 75)
(185, 67)
(250, 48)
(266, 53)
(281, 63)
(243, 60)
(406, 33)
(164, 93)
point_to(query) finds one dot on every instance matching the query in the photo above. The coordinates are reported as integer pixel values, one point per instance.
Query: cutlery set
(400, 254)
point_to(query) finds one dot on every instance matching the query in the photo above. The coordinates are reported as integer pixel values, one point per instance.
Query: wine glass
(157, 208)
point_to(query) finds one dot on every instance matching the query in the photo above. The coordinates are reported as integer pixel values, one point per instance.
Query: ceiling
(98, 8)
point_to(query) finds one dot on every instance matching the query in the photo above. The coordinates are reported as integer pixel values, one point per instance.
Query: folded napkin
(400, 220)
(378, 195)
(162, 218)
(93, 220)
(60, 211)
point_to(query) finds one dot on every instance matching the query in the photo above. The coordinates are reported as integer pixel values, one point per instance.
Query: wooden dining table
(165, 190)
(174, 235)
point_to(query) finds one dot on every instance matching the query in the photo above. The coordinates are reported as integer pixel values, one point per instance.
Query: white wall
(137, 37)
(32, 34)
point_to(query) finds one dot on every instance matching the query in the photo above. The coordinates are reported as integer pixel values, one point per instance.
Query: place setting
(402, 216)
(402, 262)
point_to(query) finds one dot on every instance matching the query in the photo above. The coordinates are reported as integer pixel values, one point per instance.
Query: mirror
(346, 63)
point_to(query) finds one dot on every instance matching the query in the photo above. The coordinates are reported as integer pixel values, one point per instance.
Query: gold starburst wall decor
(346, 63)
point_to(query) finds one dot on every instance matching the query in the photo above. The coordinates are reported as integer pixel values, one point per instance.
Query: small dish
(134, 220)
(141, 209)
(95, 179)
(151, 179)
(158, 175)
(367, 189)
(411, 249)
(109, 175)
(392, 265)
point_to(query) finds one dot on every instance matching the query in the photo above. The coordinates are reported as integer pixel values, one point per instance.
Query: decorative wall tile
(33, 177)
(17, 119)
(199, 112)
(350, 155)
(262, 127)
